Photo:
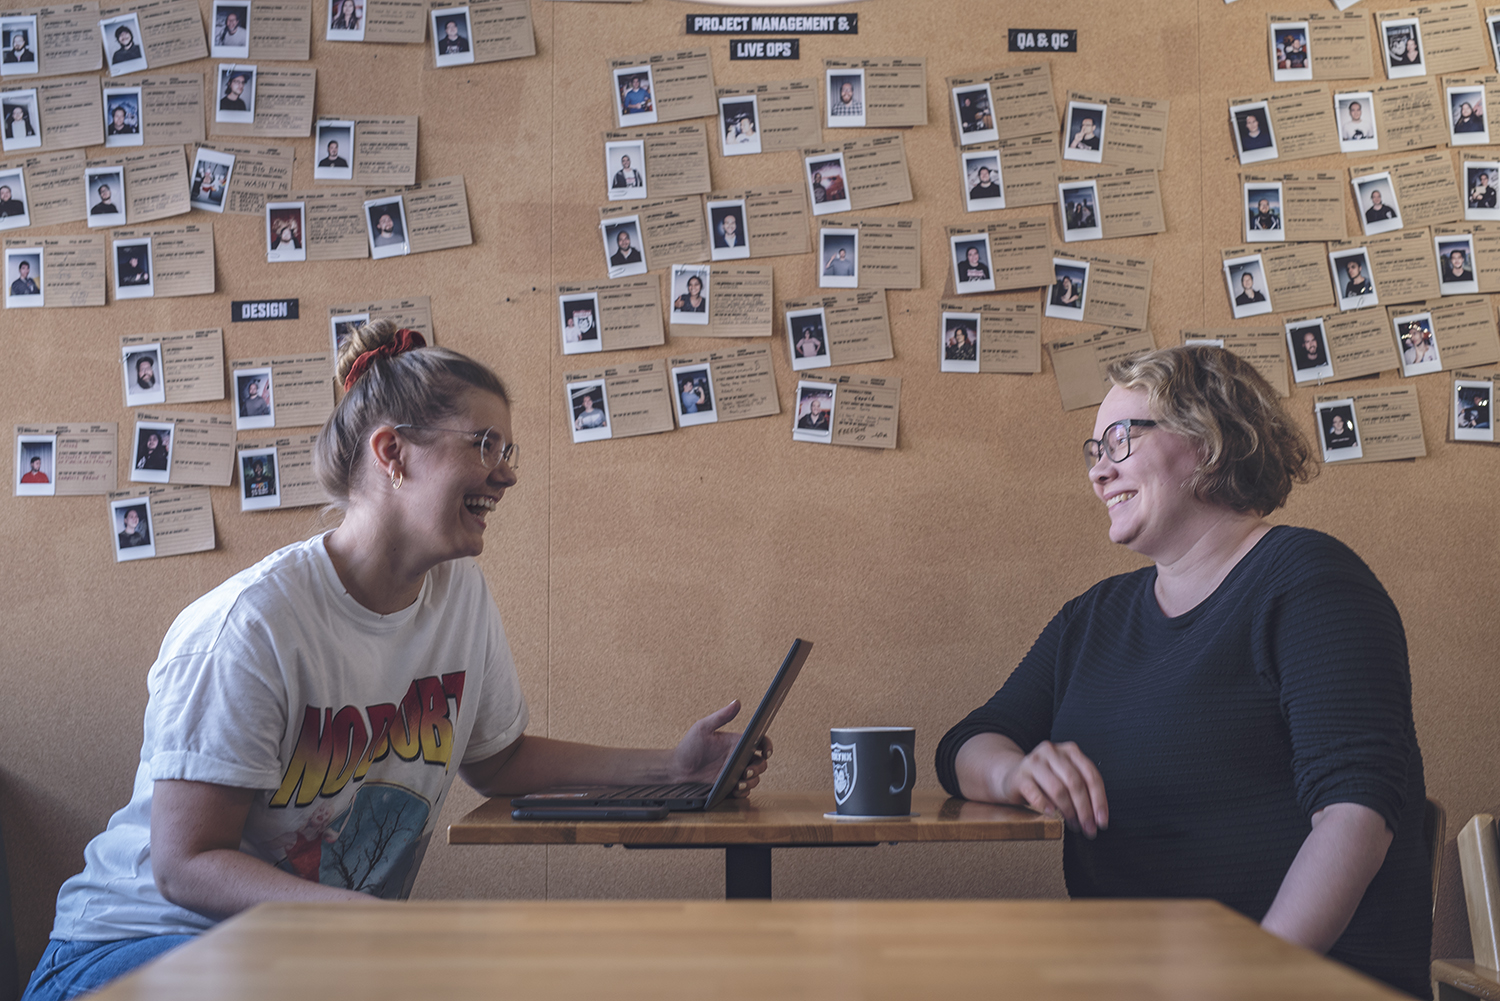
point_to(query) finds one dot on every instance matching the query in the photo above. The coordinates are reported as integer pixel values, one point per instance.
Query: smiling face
(1247, 281)
(1465, 110)
(1411, 48)
(385, 223)
(124, 37)
(1355, 111)
(731, 225)
(973, 256)
(152, 442)
(1375, 199)
(333, 150)
(1338, 424)
(624, 163)
(1264, 206)
(236, 85)
(695, 286)
(815, 406)
(448, 493)
(984, 175)
(1146, 493)
(846, 93)
(18, 41)
(104, 193)
(451, 28)
(623, 241)
(119, 117)
(1252, 124)
(132, 521)
(231, 23)
(1310, 344)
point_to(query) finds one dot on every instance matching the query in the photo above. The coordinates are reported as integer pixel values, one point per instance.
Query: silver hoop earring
(397, 478)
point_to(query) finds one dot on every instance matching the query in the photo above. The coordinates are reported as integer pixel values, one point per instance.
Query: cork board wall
(647, 580)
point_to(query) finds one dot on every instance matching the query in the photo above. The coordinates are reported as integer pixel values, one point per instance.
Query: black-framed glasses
(493, 448)
(1114, 442)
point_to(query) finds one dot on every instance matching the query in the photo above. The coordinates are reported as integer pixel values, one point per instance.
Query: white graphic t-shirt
(351, 724)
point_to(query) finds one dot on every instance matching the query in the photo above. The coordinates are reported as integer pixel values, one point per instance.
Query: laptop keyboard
(681, 790)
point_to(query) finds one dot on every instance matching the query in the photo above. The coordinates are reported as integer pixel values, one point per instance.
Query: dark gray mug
(874, 769)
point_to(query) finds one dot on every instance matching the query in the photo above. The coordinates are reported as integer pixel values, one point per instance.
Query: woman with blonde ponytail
(307, 716)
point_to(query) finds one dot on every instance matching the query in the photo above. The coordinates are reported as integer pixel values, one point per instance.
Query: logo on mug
(844, 771)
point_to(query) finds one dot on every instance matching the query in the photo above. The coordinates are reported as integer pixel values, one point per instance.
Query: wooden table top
(1055, 950)
(764, 819)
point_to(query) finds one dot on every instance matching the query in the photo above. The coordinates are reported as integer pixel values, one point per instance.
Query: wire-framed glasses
(1114, 442)
(493, 448)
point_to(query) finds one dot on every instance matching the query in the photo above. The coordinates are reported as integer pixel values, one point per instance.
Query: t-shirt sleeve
(1337, 648)
(217, 714)
(501, 714)
(1022, 709)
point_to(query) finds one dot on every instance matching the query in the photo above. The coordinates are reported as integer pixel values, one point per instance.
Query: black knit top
(1220, 732)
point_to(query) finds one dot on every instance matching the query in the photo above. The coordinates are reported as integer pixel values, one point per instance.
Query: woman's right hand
(1054, 779)
(1060, 779)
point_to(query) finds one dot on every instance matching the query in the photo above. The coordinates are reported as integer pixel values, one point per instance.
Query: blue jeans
(69, 969)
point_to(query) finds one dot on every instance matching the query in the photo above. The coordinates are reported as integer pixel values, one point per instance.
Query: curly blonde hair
(1251, 452)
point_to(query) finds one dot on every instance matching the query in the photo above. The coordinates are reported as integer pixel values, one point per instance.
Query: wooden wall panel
(647, 580)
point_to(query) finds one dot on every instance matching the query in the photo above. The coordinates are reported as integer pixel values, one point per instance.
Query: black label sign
(765, 48)
(773, 24)
(1044, 39)
(263, 309)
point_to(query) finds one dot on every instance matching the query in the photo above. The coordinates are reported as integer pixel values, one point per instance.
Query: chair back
(1477, 860)
(1435, 826)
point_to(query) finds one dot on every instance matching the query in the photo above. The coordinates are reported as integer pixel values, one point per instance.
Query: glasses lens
(512, 455)
(1117, 441)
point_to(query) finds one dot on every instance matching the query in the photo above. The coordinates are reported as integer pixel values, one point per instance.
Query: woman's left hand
(701, 753)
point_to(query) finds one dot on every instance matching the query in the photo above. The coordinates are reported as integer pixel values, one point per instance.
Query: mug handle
(905, 770)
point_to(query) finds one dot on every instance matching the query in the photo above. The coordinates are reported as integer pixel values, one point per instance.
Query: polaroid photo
(590, 411)
(625, 169)
(18, 44)
(122, 44)
(838, 249)
(285, 226)
(976, 117)
(452, 31)
(133, 275)
(1252, 132)
(1472, 404)
(385, 224)
(1401, 48)
(1083, 132)
(130, 521)
(145, 381)
(36, 465)
(13, 211)
(211, 173)
(958, 342)
(104, 188)
(984, 188)
(1458, 273)
(689, 292)
(1480, 178)
(693, 395)
(825, 179)
(726, 221)
(1246, 280)
(635, 100)
(622, 246)
(1352, 279)
(230, 30)
(970, 253)
(1070, 287)
(151, 462)
(739, 124)
(342, 327)
(23, 122)
(346, 21)
(813, 419)
(845, 92)
(260, 479)
(1290, 59)
(24, 285)
(253, 407)
(579, 315)
(1079, 203)
(1338, 435)
(1307, 342)
(1263, 212)
(807, 335)
(1466, 122)
(1418, 346)
(1375, 199)
(334, 147)
(122, 117)
(1355, 113)
(1492, 22)
(236, 94)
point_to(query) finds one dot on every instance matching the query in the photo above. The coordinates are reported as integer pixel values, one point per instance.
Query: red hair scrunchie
(406, 339)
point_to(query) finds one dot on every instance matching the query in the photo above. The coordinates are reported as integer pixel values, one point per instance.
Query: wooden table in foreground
(747, 830)
(755, 950)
